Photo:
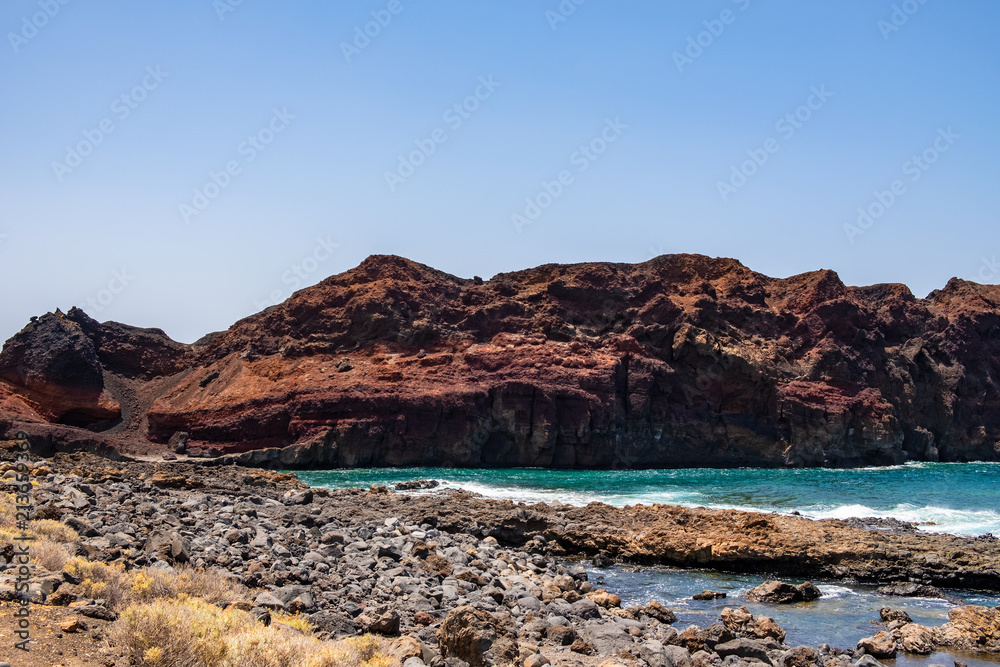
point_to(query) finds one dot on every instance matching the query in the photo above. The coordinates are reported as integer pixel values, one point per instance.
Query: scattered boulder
(882, 645)
(780, 592)
(971, 628)
(911, 590)
(168, 546)
(898, 616)
(561, 635)
(470, 634)
(585, 608)
(867, 661)
(743, 648)
(604, 599)
(536, 660)
(708, 595)
(97, 611)
(72, 625)
(657, 611)
(380, 623)
(800, 656)
(178, 442)
(268, 601)
(742, 623)
(914, 638)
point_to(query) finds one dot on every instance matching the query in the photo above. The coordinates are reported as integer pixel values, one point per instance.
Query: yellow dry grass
(191, 632)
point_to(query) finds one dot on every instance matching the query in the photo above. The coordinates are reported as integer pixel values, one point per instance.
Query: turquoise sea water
(954, 498)
(960, 498)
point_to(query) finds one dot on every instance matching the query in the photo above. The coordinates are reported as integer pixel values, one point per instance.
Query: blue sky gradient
(819, 108)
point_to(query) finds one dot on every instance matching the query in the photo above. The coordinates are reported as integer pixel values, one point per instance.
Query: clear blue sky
(310, 129)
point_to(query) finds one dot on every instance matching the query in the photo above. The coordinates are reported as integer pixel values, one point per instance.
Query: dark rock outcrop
(683, 360)
(780, 592)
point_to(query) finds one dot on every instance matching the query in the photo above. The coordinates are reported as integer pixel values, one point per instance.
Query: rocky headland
(683, 360)
(445, 578)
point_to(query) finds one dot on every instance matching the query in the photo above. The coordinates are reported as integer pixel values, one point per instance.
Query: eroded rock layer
(683, 360)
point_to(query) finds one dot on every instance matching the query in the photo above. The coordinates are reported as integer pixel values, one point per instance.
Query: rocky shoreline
(455, 579)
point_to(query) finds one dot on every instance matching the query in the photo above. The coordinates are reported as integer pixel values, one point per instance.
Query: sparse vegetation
(120, 589)
(47, 536)
(194, 632)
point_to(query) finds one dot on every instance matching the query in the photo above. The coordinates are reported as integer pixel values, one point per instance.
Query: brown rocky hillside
(683, 360)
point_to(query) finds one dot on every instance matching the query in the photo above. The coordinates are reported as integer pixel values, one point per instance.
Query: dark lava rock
(779, 592)
(417, 484)
(469, 634)
(911, 590)
(744, 648)
(886, 524)
(708, 595)
(888, 615)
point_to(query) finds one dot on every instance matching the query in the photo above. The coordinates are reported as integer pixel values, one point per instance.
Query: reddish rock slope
(683, 360)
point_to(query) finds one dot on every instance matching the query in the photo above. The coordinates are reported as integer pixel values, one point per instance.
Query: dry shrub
(36, 529)
(294, 621)
(101, 581)
(120, 588)
(213, 586)
(47, 529)
(191, 632)
(49, 555)
(44, 535)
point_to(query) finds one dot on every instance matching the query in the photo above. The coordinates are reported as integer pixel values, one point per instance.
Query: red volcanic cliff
(683, 360)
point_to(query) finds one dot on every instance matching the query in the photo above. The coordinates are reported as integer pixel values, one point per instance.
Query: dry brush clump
(190, 632)
(120, 588)
(45, 536)
(184, 618)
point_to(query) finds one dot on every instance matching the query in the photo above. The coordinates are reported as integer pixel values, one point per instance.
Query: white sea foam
(531, 495)
(831, 591)
(929, 518)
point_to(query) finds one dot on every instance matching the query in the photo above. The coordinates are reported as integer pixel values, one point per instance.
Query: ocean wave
(831, 591)
(928, 518)
(530, 495)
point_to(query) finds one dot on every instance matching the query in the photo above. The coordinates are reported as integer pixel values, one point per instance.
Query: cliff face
(683, 360)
